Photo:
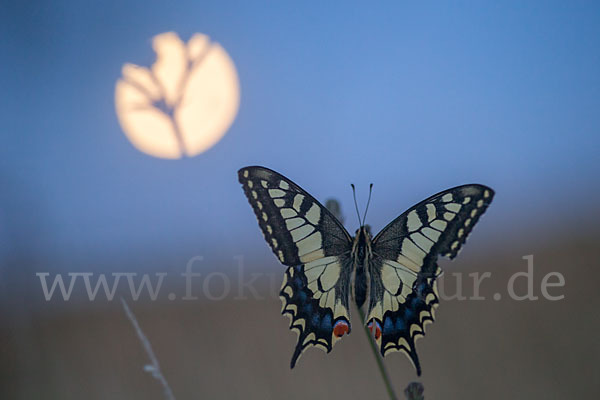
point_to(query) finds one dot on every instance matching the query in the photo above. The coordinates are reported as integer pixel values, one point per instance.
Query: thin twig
(378, 358)
(154, 367)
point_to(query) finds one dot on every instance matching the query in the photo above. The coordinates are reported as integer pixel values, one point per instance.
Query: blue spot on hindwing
(326, 323)
(415, 301)
(298, 283)
(307, 309)
(314, 321)
(400, 324)
(302, 296)
(387, 325)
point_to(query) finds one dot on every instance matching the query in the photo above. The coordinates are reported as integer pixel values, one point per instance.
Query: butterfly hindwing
(404, 268)
(315, 246)
(401, 302)
(315, 297)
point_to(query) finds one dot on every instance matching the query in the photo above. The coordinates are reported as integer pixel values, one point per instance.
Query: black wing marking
(315, 297)
(305, 236)
(403, 271)
(296, 226)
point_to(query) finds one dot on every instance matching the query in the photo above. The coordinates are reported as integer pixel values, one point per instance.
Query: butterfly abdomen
(360, 285)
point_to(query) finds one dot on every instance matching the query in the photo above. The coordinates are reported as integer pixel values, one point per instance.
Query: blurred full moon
(185, 103)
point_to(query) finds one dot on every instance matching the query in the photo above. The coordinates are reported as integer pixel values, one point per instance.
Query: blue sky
(413, 97)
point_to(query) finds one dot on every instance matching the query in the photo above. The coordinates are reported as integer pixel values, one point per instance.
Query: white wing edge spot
(288, 213)
(430, 212)
(276, 193)
(449, 216)
(293, 223)
(431, 233)
(453, 207)
(314, 214)
(298, 199)
(412, 221)
(447, 197)
(439, 224)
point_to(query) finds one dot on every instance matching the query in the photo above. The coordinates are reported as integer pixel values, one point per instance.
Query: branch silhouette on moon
(184, 103)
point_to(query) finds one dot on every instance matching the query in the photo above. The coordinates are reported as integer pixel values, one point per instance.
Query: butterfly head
(364, 231)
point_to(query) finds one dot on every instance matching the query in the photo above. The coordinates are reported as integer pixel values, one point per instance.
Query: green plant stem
(378, 358)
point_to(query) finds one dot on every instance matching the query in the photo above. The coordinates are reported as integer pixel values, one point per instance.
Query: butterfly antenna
(368, 202)
(355, 204)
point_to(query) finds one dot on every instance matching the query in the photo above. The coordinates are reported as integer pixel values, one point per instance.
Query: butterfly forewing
(306, 237)
(404, 268)
(296, 226)
(437, 225)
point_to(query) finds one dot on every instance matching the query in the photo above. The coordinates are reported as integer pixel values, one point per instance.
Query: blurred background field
(241, 348)
(414, 98)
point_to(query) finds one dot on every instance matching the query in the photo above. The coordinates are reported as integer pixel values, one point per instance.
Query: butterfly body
(394, 273)
(361, 254)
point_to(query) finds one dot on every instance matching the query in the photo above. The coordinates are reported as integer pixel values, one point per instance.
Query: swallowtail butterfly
(394, 273)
